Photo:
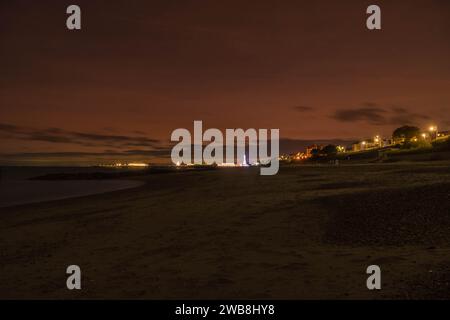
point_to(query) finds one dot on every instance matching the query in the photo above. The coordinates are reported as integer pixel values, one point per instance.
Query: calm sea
(15, 188)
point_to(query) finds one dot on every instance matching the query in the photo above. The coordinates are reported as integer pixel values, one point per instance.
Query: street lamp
(377, 140)
(363, 145)
(433, 132)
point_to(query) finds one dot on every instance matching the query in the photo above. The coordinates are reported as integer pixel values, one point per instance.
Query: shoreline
(60, 190)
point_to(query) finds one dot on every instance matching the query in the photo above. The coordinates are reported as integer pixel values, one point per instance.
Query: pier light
(137, 164)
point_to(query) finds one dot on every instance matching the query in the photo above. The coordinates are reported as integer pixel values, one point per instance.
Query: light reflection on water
(15, 188)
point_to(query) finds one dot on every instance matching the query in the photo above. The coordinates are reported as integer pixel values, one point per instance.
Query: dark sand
(306, 233)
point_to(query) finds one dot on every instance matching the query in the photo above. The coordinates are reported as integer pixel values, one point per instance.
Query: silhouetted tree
(406, 132)
(315, 152)
(330, 150)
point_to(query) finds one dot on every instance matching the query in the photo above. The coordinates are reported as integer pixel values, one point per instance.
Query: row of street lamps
(432, 129)
(433, 133)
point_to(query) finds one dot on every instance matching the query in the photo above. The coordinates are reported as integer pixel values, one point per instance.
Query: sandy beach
(307, 233)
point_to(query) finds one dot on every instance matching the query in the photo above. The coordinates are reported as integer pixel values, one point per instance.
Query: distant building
(387, 142)
(299, 156)
(377, 142)
(361, 146)
(365, 145)
(309, 149)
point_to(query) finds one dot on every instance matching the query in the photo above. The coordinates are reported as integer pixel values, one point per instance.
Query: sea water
(16, 188)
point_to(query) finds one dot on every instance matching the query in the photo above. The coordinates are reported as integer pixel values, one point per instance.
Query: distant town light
(227, 164)
(137, 164)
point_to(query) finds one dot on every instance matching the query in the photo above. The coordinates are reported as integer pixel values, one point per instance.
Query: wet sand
(17, 192)
(306, 233)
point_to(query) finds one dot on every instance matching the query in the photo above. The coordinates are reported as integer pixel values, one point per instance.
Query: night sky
(140, 69)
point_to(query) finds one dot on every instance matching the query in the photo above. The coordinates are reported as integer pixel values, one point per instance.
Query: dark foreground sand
(306, 233)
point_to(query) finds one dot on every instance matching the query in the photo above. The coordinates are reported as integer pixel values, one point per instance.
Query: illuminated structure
(126, 165)
(137, 164)
(244, 163)
(227, 164)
